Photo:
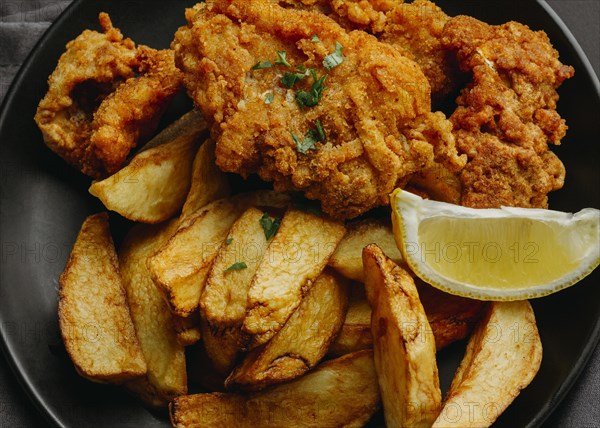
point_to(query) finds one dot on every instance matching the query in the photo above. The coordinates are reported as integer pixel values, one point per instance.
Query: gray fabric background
(23, 22)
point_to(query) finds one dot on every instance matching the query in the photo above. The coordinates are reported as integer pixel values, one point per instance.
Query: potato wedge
(302, 342)
(355, 334)
(294, 259)
(451, 318)
(208, 184)
(190, 126)
(347, 258)
(503, 356)
(153, 186)
(165, 357)
(187, 329)
(338, 393)
(94, 318)
(223, 301)
(404, 346)
(180, 267)
(222, 345)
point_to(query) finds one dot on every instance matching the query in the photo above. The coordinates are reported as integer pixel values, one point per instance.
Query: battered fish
(97, 106)
(347, 135)
(506, 116)
(415, 29)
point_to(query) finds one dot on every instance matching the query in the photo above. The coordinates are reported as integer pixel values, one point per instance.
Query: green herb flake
(306, 145)
(228, 241)
(313, 136)
(269, 98)
(315, 39)
(236, 266)
(317, 133)
(281, 60)
(312, 98)
(334, 59)
(261, 65)
(290, 79)
(270, 224)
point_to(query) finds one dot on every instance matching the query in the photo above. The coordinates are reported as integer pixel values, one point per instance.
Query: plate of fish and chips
(313, 325)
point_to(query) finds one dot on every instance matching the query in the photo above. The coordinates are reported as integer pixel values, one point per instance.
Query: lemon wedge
(495, 254)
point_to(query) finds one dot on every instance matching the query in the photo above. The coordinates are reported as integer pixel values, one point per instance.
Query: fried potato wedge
(302, 342)
(190, 126)
(164, 355)
(355, 334)
(208, 184)
(153, 186)
(180, 267)
(294, 259)
(404, 347)
(338, 393)
(94, 318)
(187, 329)
(347, 258)
(503, 356)
(223, 301)
(222, 345)
(451, 317)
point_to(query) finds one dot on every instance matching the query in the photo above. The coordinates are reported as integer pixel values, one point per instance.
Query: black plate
(44, 203)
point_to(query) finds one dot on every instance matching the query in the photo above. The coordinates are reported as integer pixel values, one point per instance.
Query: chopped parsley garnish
(290, 79)
(236, 266)
(312, 98)
(228, 241)
(334, 59)
(313, 136)
(261, 65)
(270, 225)
(281, 60)
(303, 146)
(269, 98)
(315, 39)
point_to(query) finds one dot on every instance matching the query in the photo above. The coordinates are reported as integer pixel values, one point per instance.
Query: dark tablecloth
(22, 23)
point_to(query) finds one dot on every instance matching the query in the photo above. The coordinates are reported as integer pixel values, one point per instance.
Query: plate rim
(544, 412)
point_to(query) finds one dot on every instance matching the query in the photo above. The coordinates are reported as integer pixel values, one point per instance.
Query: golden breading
(506, 116)
(374, 110)
(131, 113)
(103, 97)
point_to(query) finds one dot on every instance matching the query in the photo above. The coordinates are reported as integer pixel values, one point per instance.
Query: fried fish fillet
(131, 113)
(103, 97)
(415, 29)
(506, 116)
(371, 112)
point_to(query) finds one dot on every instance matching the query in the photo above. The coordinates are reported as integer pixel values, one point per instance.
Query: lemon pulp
(507, 253)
